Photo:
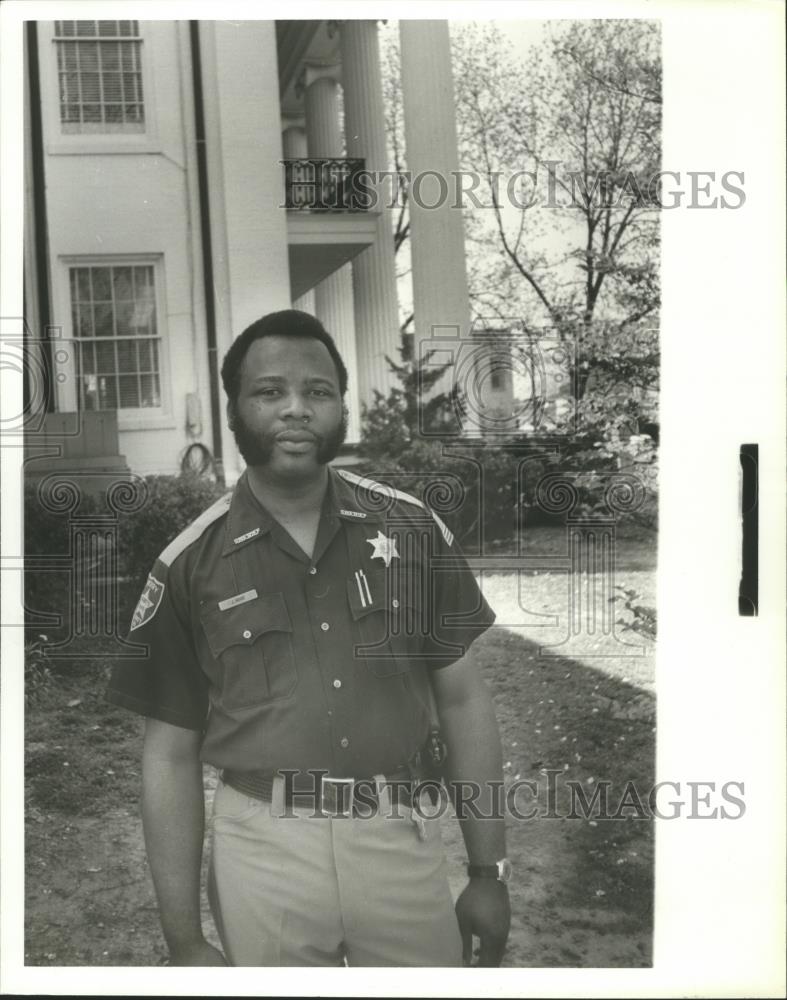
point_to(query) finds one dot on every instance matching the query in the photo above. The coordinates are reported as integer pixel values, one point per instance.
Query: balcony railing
(325, 185)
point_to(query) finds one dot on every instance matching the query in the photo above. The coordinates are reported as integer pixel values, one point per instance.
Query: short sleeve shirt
(285, 661)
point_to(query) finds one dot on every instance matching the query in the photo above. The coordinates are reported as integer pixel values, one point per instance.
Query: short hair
(285, 323)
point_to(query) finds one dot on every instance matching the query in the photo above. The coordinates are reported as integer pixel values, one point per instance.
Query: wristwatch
(501, 870)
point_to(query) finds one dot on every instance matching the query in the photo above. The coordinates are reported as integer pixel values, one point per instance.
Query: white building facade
(185, 178)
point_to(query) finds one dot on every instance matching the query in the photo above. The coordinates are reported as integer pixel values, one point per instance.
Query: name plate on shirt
(232, 602)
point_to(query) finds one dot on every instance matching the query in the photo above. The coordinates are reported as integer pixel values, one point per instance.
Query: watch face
(504, 870)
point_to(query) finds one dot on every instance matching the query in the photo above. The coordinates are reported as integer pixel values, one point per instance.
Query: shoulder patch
(389, 491)
(148, 603)
(195, 529)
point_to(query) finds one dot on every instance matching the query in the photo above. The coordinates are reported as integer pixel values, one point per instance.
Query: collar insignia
(244, 538)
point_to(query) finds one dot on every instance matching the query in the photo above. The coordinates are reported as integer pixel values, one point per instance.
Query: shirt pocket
(388, 622)
(253, 645)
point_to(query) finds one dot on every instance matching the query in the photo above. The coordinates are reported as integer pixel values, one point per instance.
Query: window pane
(91, 112)
(142, 319)
(87, 354)
(145, 356)
(110, 56)
(68, 55)
(128, 55)
(90, 88)
(102, 290)
(124, 313)
(151, 395)
(129, 391)
(105, 357)
(89, 389)
(113, 112)
(69, 88)
(103, 319)
(121, 277)
(107, 27)
(143, 282)
(107, 393)
(154, 355)
(83, 289)
(127, 356)
(88, 56)
(83, 321)
(112, 91)
(131, 88)
(70, 113)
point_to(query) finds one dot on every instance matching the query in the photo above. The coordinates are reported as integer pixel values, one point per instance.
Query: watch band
(482, 871)
(501, 871)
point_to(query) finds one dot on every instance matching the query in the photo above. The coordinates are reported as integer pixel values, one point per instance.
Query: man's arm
(173, 816)
(469, 728)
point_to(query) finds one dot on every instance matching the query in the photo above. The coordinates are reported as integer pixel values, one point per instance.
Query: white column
(243, 129)
(293, 143)
(440, 293)
(333, 297)
(374, 274)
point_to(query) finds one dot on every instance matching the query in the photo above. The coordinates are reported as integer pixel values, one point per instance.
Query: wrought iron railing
(325, 185)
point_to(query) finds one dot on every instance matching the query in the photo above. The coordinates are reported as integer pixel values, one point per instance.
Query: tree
(579, 122)
(562, 230)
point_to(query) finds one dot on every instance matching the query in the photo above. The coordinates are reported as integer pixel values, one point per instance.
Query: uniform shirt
(282, 661)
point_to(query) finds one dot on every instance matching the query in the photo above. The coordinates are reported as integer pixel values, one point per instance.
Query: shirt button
(344, 742)
(246, 634)
(313, 570)
(394, 603)
(337, 683)
(325, 626)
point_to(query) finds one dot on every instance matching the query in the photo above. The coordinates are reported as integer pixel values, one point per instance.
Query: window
(100, 76)
(116, 340)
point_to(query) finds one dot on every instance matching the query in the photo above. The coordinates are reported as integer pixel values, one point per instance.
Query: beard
(256, 447)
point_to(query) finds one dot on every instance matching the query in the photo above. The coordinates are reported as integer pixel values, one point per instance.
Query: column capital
(312, 72)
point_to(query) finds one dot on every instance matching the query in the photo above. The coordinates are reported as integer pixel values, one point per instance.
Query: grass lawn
(582, 894)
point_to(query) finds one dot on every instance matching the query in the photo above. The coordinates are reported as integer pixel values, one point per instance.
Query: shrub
(173, 503)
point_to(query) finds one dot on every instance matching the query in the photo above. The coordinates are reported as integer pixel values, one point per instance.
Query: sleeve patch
(148, 603)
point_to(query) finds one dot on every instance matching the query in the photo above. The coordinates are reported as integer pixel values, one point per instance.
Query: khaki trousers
(305, 890)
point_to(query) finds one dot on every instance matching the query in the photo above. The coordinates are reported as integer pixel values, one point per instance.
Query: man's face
(288, 416)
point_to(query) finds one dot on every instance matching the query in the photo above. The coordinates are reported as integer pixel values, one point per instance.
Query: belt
(338, 797)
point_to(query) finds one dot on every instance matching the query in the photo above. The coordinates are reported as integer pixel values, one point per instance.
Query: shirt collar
(248, 520)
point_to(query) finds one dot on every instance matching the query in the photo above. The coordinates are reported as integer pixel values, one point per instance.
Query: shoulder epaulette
(195, 529)
(389, 491)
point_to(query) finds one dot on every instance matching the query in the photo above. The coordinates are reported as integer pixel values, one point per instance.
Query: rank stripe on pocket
(232, 602)
(363, 589)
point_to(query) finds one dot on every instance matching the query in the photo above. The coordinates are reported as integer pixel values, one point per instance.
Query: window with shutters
(99, 66)
(116, 336)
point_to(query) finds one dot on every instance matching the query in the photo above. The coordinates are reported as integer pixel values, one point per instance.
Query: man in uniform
(300, 636)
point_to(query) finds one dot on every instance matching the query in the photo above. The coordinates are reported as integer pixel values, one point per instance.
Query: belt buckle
(335, 808)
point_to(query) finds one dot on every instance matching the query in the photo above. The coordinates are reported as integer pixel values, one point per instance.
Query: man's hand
(199, 953)
(483, 909)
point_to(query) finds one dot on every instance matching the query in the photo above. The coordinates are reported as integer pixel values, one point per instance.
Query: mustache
(257, 447)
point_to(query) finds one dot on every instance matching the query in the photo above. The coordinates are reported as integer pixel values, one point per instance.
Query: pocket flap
(244, 624)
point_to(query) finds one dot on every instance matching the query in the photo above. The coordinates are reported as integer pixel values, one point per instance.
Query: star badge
(384, 548)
